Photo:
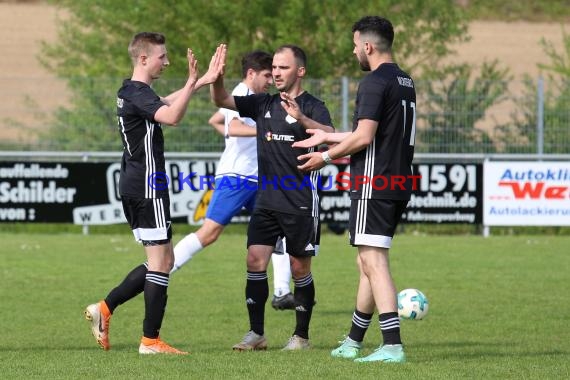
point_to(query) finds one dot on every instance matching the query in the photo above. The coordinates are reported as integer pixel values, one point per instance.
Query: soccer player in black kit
(143, 184)
(381, 146)
(287, 203)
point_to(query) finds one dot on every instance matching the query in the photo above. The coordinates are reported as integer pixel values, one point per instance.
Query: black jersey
(386, 95)
(282, 186)
(143, 142)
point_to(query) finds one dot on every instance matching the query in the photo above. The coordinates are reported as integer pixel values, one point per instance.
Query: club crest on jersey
(276, 137)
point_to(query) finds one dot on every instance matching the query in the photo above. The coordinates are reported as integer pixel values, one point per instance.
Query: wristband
(326, 158)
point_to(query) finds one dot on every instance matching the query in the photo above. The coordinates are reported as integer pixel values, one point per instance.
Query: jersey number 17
(412, 106)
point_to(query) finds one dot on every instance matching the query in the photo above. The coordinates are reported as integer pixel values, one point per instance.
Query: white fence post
(540, 116)
(344, 100)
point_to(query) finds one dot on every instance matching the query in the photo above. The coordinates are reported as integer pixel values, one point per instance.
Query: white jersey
(240, 155)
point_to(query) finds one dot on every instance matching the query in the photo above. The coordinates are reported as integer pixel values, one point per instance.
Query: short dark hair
(142, 41)
(298, 53)
(257, 60)
(378, 27)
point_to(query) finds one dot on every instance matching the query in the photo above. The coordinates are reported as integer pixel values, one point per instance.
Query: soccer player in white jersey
(236, 178)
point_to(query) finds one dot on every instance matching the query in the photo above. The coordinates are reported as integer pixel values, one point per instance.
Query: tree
(91, 55)
(555, 98)
(453, 105)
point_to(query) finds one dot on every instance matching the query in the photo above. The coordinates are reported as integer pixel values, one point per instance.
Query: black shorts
(149, 219)
(301, 232)
(374, 221)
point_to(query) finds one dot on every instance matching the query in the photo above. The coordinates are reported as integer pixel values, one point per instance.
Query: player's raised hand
(318, 137)
(192, 67)
(217, 63)
(290, 106)
(216, 67)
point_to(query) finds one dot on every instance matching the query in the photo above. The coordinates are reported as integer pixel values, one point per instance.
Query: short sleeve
(369, 99)
(251, 105)
(147, 102)
(321, 114)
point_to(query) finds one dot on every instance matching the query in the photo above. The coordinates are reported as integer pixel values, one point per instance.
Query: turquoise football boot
(388, 353)
(348, 349)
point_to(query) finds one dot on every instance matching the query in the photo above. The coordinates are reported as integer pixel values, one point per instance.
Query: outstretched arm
(220, 96)
(217, 121)
(170, 98)
(349, 143)
(216, 67)
(320, 137)
(218, 93)
(238, 128)
(177, 103)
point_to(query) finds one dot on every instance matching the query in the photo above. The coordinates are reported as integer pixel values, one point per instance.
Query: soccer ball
(412, 304)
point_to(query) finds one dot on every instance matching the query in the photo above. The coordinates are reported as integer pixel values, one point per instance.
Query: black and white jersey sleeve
(386, 95)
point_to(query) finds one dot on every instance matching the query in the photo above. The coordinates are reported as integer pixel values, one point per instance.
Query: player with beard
(381, 144)
(287, 203)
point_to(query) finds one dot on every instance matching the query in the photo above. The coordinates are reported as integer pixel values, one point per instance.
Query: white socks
(185, 250)
(281, 274)
(190, 245)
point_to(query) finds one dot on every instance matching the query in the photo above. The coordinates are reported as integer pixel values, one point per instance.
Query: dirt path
(516, 44)
(23, 80)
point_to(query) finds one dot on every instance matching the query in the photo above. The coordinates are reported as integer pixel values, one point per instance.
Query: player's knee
(300, 267)
(255, 263)
(209, 233)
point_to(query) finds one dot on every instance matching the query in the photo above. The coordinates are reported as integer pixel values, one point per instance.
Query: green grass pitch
(499, 308)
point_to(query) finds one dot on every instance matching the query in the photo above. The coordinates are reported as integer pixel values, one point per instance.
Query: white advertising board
(526, 193)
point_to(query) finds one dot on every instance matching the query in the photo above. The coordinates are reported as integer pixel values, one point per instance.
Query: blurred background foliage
(90, 54)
